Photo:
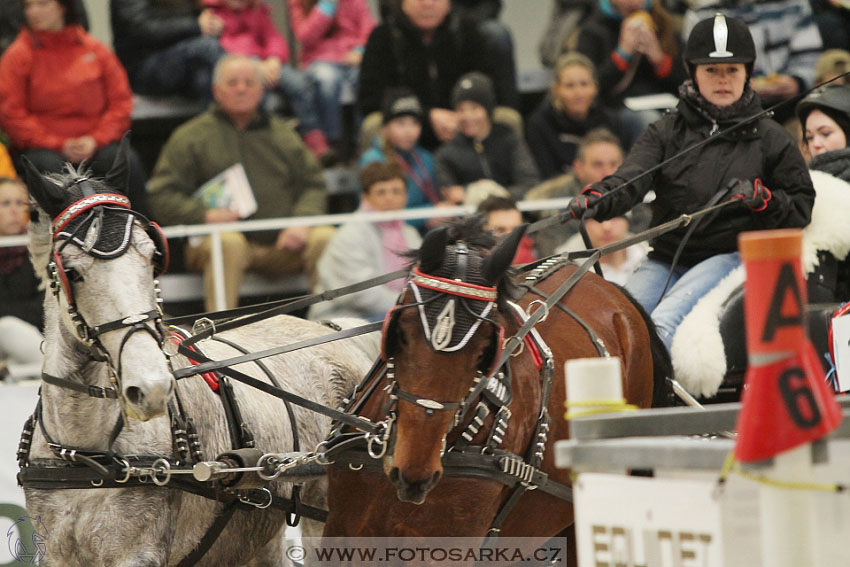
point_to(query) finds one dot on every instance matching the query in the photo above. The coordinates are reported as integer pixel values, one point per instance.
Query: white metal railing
(215, 230)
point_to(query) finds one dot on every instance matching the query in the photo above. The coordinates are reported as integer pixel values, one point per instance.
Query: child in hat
(398, 142)
(483, 149)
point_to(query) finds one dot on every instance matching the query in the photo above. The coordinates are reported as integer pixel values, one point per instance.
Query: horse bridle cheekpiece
(101, 225)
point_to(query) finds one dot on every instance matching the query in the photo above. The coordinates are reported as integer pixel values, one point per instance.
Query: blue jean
(687, 287)
(327, 79)
(296, 88)
(185, 68)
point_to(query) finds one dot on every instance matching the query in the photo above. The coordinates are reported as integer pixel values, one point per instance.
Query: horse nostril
(436, 478)
(134, 395)
(394, 475)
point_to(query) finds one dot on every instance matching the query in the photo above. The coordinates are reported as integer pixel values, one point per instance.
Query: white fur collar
(699, 360)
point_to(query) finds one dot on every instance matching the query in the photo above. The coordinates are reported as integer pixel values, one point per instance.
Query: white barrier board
(16, 404)
(644, 522)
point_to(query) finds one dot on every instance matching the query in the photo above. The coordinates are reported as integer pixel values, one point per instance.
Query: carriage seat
(710, 349)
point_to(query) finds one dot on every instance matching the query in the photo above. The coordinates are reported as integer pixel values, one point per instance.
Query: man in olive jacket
(285, 178)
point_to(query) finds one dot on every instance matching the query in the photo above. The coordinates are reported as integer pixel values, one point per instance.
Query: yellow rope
(731, 465)
(599, 406)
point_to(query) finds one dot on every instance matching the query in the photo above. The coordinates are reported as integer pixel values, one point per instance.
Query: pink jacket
(330, 30)
(250, 31)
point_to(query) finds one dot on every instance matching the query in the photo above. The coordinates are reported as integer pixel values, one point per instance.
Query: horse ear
(47, 194)
(500, 259)
(433, 250)
(118, 176)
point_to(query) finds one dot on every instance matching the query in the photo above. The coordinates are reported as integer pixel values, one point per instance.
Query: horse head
(442, 337)
(99, 258)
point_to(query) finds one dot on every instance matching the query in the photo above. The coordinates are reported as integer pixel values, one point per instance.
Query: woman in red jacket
(64, 96)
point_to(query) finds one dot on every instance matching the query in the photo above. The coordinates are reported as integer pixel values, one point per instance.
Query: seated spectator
(363, 250)
(599, 155)
(332, 35)
(285, 178)
(570, 111)
(616, 266)
(12, 20)
(501, 217)
(483, 149)
(399, 142)
(634, 46)
(168, 47)
(6, 167)
(425, 48)
(787, 45)
(249, 30)
(21, 311)
(831, 64)
(64, 96)
(498, 44)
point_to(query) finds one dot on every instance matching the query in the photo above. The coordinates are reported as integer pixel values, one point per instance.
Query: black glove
(582, 205)
(755, 196)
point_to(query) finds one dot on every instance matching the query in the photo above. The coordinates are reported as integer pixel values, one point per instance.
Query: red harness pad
(209, 377)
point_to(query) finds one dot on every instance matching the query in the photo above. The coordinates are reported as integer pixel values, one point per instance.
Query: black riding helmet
(832, 100)
(720, 40)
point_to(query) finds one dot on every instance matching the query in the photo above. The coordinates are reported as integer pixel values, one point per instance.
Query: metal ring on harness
(127, 469)
(521, 345)
(268, 462)
(543, 306)
(163, 465)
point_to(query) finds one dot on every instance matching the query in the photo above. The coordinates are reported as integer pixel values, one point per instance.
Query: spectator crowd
(438, 121)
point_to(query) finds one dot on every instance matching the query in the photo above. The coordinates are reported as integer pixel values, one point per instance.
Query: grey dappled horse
(152, 526)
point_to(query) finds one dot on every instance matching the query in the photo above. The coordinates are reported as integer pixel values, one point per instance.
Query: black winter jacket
(763, 150)
(502, 157)
(553, 137)
(143, 27)
(396, 56)
(20, 296)
(599, 38)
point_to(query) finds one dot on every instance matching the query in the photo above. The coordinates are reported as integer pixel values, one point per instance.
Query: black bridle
(93, 205)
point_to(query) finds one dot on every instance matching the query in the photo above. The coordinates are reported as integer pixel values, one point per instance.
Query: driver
(758, 164)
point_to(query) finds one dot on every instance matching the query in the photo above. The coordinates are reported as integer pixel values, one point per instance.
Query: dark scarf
(835, 163)
(689, 92)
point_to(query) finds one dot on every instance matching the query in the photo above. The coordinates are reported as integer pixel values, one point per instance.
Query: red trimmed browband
(84, 204)
(454, 287)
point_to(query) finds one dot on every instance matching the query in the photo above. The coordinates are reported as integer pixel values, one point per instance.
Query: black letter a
(785, 282)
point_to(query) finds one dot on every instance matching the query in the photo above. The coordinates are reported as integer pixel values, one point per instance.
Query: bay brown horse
(448, 329)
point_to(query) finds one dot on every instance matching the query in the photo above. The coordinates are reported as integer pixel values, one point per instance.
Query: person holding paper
(284, 176)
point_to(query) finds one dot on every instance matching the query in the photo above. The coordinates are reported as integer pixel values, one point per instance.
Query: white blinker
(721, 36)
(442, 335)
(92, 235)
